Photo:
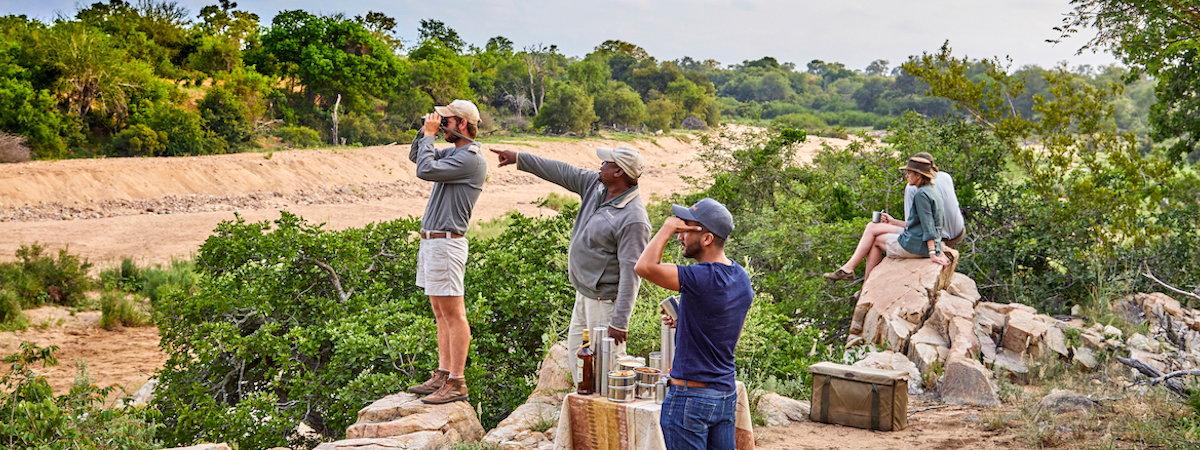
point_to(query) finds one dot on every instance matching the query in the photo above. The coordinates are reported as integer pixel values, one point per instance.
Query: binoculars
(420, 123)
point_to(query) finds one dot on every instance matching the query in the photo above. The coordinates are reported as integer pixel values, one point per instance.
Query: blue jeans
(698, 418)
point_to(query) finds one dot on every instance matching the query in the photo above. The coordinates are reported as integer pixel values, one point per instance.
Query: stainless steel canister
(660, 391)
(667, 335)
(655, 360)
(599, 334)
(605, 363)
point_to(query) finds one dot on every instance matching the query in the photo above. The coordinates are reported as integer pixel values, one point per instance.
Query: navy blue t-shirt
(713, 302)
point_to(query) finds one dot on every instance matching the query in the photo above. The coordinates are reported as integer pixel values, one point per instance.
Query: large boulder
(967, 382)
(531, 425)
(896, 299)
(777, 410)
(889, 360)
(1063, 401)
(402, 421)
(927, 348)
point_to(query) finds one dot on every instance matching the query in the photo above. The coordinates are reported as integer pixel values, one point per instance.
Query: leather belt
(439, 235)
(686, 383)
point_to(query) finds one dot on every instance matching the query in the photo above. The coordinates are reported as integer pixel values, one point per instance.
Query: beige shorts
(895, 250)
(441, 265)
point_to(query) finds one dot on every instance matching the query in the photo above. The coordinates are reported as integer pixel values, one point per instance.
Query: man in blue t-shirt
(715, 295)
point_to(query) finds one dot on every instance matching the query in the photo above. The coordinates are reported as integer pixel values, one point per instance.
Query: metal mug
(876, 216)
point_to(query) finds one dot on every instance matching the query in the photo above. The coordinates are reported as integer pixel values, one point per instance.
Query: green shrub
(151, 281)
(264, 309)
(185, 131)
(35, 418)
(362, 129)
(567, 109)
(660, 114)
(296, 136)
(225, 115)
(117, 310)
(38, 278)
(138, 140)
(620, 106)
(802, 121)
(12, 317)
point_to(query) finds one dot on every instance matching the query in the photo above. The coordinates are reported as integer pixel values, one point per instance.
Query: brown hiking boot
(839, 275)
(436, 379)
(455, 390)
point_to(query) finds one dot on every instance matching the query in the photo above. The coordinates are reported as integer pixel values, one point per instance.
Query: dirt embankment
(155, 209)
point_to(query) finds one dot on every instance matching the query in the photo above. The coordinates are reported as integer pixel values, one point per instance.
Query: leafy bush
(117, 310)
(802, 121)
(226, 116)
(378, 129)
(151, 281)
(568, 109)
(185, 131)
(36, 418)
(12, 317)
(661, 114)
(265, 310)
(38, 278)
(296, 136)
(620, 106)
(138, 140)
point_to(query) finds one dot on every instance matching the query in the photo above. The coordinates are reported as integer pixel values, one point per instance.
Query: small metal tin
(622, 394)
(655, 360)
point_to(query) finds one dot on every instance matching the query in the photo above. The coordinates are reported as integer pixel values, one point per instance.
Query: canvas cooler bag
(859, 397)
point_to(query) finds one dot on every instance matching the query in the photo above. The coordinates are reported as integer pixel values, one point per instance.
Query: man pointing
(611, 230)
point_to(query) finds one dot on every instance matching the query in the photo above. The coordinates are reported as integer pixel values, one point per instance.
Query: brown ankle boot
(436, 379)
(455, 390)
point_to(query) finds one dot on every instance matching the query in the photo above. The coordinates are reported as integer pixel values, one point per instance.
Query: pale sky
(854, 32)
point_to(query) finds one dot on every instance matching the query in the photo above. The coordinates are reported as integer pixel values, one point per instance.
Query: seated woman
(921, 236)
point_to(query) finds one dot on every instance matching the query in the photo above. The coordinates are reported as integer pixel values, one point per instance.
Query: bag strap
(825, 388)
(874, 406)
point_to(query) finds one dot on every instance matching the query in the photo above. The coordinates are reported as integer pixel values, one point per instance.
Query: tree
(329, 56)
(1159, 37)
(877, 68)
(542, 64)
(384, 27)
(568, 109)
(436, 30)
(440, 72)
(619, 106)
(591, 73)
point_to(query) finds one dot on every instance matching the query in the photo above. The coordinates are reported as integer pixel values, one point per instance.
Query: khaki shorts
(441, 265)
(895, 250)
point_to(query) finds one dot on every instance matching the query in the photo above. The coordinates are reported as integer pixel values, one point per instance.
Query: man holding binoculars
(457, 174)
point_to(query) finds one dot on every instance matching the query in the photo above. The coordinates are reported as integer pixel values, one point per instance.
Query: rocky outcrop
(777, 410)
(402, 421)
(532, 425)
(896, 300)
(937, 320)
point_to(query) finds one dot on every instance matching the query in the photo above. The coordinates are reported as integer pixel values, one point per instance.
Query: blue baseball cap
(711, 214)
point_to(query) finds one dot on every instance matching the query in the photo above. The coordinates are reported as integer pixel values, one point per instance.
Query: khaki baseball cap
(460, 108)
(628, 159)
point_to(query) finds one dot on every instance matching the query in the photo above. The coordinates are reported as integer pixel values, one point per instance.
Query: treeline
(151, 79)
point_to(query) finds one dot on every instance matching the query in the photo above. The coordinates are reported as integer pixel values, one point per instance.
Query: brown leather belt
(439, 235)
(686, 383)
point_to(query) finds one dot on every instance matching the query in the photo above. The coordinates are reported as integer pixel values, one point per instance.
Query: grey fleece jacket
(608, 237)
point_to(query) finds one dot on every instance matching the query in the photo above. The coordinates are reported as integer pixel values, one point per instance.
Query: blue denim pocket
(698, 413)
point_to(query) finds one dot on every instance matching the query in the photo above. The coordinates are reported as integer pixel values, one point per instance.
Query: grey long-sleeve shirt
(608, 237)
(457, 175)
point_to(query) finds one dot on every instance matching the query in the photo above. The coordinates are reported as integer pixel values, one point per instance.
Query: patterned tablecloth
(591, 422)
